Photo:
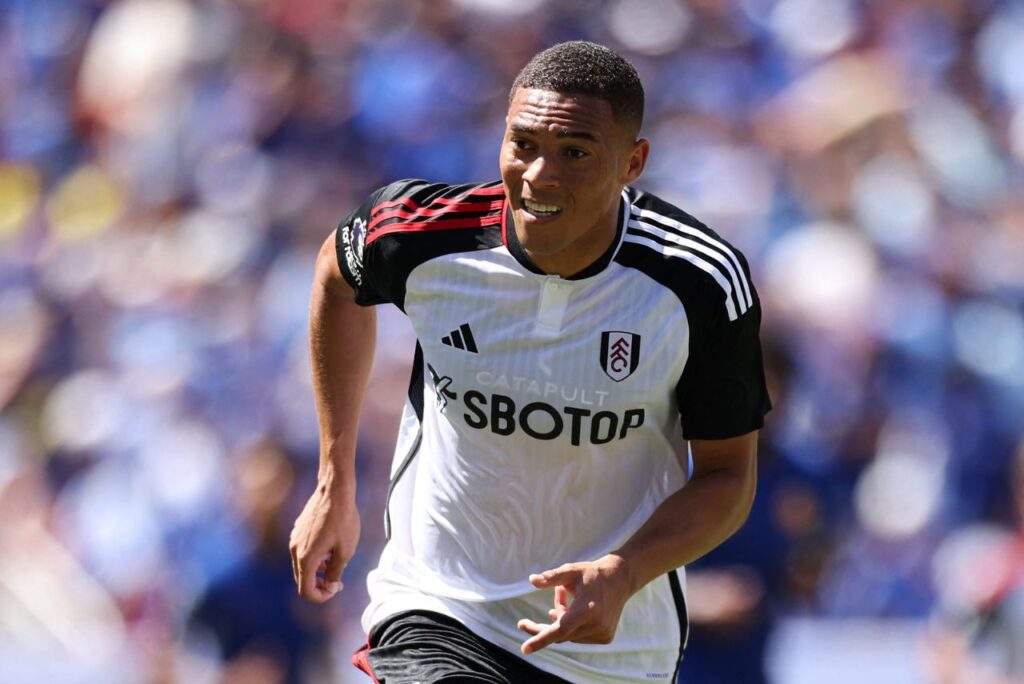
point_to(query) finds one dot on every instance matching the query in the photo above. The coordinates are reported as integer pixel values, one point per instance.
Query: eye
(520, 143)
(576, 153)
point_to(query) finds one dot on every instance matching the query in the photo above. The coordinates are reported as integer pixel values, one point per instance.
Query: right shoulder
(416, 205)
(409, 221)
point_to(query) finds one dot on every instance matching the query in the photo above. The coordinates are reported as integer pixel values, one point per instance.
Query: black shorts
(426, 647)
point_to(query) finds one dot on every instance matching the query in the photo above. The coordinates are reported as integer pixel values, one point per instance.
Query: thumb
(332, 573)
(564, 576)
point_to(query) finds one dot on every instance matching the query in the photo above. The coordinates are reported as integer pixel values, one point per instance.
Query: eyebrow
(530, 130)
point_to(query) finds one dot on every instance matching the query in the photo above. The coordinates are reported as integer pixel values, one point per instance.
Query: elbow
(746, 506)
(328, 277)
(745, 499)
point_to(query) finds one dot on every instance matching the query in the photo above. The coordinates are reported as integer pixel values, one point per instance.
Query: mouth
(540, 209)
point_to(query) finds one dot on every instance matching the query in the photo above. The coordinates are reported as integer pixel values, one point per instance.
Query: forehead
(546, 111)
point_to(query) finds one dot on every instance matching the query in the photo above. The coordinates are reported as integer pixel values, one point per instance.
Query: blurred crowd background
(168, 169)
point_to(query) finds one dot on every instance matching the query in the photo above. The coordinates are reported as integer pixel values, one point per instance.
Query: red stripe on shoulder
(411, 204)
(403, 209)
(498, 189)
(504, 223)
(475, 196)
(435, 224)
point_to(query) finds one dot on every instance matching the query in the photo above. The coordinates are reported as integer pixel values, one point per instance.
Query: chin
(541, 248)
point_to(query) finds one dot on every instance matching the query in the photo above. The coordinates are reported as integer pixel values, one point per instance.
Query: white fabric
(475, 512)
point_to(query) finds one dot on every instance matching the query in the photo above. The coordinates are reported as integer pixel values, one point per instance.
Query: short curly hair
(584, 68)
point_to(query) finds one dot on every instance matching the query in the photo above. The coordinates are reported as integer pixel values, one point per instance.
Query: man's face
(564, 162)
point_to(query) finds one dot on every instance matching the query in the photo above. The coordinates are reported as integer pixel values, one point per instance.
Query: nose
(541, 173)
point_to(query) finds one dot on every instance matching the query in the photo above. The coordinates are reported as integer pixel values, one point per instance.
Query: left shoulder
(676, 248)
(654, 216)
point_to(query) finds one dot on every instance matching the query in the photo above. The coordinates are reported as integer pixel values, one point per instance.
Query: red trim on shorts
(361, 660)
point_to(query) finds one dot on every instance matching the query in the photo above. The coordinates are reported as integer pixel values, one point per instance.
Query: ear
(637, 160)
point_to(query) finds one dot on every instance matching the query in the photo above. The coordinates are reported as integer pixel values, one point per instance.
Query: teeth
(540, 208)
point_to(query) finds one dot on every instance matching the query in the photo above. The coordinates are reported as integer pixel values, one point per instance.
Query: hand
(598, 591)
(323, 541)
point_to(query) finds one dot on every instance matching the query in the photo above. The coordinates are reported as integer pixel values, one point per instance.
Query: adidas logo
(462, 338)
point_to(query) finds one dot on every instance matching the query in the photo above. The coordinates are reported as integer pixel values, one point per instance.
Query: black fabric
(394, 256)
(426, 647)
(684, 621)
(416, 401)
(413, 451)
(722, 391)
(416, 382)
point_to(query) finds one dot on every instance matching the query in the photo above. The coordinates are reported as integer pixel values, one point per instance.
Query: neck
(580, 254)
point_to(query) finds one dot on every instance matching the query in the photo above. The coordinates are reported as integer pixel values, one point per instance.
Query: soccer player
(583, 412)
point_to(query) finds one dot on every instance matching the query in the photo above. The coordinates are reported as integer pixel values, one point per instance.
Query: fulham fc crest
(620, 353)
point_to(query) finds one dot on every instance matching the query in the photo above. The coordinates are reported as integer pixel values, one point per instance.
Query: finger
(563, 629)
(560, 604)
(323, 585)
(295, 565)
(319, 576)
(582, 625)
(332, 572)
(530, 627)
(566, 575)
(307, 577)
(550, 634)
(311, 586)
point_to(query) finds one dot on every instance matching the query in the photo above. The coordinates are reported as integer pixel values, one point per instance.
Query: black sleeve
(361, 261)
(722, 391)
(354, 255)
(408, 222)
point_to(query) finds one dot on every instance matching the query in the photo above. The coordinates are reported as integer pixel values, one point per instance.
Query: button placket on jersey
(552, 306)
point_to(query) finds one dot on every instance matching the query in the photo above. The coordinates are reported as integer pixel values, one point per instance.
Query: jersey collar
(511, 240)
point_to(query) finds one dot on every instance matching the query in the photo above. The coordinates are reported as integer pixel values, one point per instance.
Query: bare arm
(342, 336)
(700, 516)
(688, 524)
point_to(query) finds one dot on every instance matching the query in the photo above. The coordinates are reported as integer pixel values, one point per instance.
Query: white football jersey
(547, 417)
